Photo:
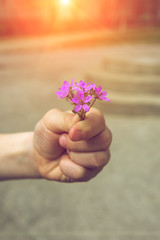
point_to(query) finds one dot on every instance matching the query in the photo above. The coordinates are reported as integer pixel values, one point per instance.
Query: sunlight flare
(65, 2)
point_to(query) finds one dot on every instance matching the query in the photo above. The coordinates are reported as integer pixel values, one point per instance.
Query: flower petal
(75, 88)
(65, 85)
(98, 90)
(62, 94)
(75, 100)
(78, 108)
(103, 93)
(82, 84)
(106, 99)
(91, 86)
(85, 107)
(80, 95)
(87, 99)
(72, 82)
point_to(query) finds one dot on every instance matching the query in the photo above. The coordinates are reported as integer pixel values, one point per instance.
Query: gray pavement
(122, 202)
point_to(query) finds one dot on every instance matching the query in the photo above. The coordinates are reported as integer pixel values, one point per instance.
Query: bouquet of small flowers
(82, 95)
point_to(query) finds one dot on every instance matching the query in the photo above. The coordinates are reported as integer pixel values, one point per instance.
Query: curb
(125, 82)
(138, 65)
(130, 94)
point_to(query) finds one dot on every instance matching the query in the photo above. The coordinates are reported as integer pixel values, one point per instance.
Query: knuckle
(54, 110)
(80, 174)
(98, 112)
(106, 139)
(110, 136)
(108, 156)
(98, 160)
(100, 117)
(101, 159)
(51, 113)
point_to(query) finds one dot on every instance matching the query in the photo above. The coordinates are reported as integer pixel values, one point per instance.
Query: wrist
(16, 158)
(31, 166)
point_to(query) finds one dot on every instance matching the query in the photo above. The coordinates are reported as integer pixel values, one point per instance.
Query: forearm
(16, 161)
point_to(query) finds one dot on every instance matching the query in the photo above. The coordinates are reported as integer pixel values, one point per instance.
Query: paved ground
(123, 202)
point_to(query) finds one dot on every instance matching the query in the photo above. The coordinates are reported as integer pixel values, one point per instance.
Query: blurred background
(50, 16)
(114, 43)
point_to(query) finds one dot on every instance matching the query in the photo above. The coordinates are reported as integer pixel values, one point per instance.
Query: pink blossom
(101, 94)
(81, 85)
(79, 107)
(82, 95)
(81, 101)
(91, 86)
(64, 89)
(85, 87)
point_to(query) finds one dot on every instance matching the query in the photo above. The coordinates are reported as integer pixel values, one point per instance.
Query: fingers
(92, 125)
(88, 151)
(75, 172)
(86, 142)
(58, 121)
(99, 142)
(90, 159)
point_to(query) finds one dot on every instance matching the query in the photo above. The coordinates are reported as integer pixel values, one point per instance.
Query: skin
(61, 148)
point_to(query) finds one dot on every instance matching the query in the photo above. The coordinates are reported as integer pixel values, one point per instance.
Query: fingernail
(77, 135)
(63, 141)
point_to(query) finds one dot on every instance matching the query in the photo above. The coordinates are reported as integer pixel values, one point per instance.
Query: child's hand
(69, 150)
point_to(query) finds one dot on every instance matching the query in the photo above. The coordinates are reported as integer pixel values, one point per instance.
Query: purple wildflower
(90, 87)
(80, 100)
(82, 95)
(101, 94)
(65, 89)
(81, 85)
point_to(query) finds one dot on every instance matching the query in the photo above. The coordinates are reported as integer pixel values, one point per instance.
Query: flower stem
(93, 102)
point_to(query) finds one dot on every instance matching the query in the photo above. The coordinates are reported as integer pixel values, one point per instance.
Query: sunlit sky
(65, 2)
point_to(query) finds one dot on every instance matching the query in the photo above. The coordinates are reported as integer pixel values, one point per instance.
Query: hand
(69, 150)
